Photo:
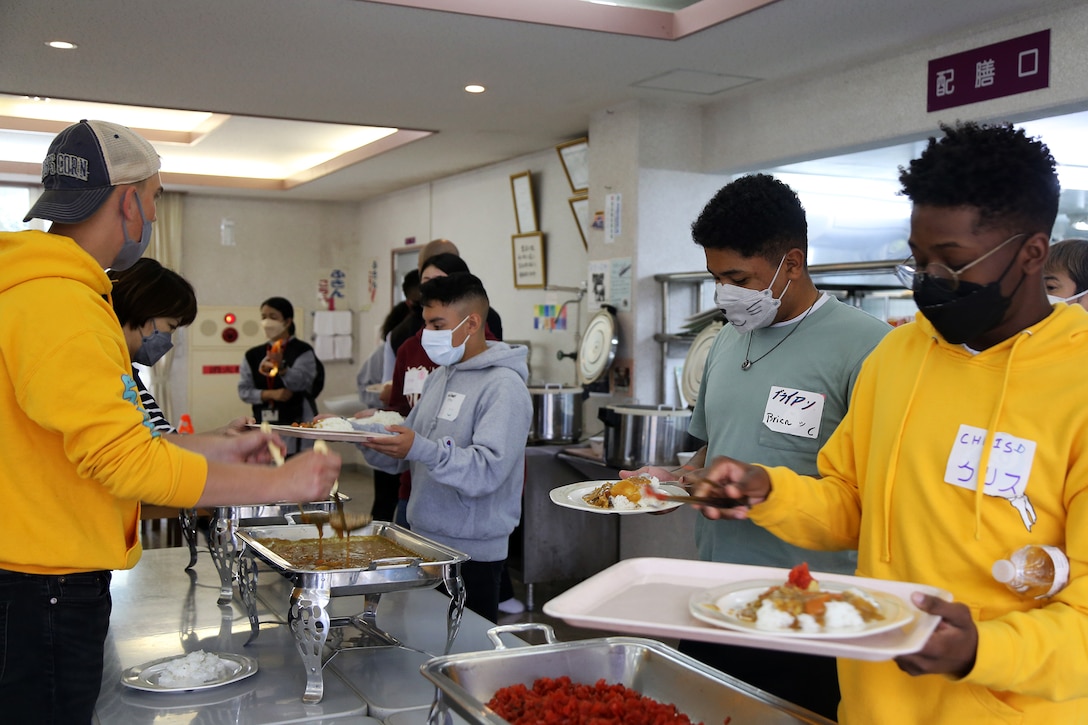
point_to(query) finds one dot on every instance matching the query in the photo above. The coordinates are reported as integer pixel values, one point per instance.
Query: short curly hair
(1010, 178)
(755, 215)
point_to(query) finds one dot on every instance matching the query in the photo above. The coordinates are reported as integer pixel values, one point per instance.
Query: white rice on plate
(194, 669)
(339, 424)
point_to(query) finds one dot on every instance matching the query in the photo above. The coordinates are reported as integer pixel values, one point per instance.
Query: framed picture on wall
(529, 263)
(521, 185)
(574, 156)
(579, 206)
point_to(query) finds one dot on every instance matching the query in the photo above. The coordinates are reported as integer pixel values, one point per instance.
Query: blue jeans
(52, 635)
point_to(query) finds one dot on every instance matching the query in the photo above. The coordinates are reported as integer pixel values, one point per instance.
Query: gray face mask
(154, 346)
(132, 250)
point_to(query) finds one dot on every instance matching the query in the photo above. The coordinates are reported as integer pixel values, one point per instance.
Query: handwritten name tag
(794, 412)
(451, 406)
(1007, 471)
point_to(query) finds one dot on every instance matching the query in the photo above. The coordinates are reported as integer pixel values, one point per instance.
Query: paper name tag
(270, 416)
(451, 406)
(414, 379)
(1007, 471)
(794, 412)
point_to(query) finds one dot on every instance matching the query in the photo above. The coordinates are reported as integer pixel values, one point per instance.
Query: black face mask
(967, 312)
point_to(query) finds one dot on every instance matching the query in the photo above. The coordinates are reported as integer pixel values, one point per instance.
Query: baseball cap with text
(85, 161)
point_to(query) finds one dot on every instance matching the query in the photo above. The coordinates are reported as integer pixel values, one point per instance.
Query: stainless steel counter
(159, 610)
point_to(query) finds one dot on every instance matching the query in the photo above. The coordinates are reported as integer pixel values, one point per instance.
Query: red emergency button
(229, 334)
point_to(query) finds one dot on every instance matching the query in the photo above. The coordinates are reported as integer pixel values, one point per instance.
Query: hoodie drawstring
(893, 464)
(991, 432)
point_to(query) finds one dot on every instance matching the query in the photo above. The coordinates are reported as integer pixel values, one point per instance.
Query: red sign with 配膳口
(1017, 65)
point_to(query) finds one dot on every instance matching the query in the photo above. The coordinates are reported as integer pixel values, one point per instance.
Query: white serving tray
(650, 596)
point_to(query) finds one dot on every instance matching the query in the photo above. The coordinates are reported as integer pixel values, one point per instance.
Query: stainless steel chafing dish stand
(308, 615)
(466, 682)
(226, 520)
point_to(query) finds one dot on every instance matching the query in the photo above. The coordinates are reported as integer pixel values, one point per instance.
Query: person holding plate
(777, 381)
(962, 444)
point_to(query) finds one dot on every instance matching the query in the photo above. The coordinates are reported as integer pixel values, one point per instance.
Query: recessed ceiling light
(61, 44)
(475, 88)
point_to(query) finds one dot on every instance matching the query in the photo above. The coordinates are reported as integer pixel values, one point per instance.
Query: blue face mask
(438, 344)
(132, 250)
(153, 347)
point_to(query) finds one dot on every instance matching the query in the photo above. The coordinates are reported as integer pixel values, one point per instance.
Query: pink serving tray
(650, 596)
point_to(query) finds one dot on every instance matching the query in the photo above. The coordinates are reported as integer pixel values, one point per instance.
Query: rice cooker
(557, 414)
(643, 435)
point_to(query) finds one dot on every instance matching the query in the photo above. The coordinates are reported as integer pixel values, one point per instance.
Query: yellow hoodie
(899, 481)
(77, 453)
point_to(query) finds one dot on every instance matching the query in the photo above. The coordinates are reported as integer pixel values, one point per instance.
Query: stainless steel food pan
(274, 513)
(385, 575)
(466, 682)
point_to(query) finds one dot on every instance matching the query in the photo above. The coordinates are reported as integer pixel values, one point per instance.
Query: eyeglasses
(907, 272)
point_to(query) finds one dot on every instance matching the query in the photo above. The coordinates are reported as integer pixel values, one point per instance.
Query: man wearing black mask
(962, 444)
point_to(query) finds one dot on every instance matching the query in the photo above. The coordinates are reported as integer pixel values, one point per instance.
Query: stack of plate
(695, 324)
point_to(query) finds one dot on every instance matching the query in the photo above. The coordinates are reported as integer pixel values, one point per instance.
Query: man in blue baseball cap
(78, 453)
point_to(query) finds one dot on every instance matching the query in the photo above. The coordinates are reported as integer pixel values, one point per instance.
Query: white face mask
(1068, 300)
(438, 344)
(749, 309)
(273, 328)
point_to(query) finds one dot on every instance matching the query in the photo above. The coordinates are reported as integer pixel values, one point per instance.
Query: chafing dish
(466, 682)
(307, 613)
(226, 520)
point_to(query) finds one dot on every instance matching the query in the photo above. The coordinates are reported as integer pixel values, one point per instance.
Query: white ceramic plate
(570, 496)
(350, 436)
(719, 606)
(146, 676)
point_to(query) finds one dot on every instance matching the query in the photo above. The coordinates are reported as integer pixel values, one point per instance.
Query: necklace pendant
(746, 364)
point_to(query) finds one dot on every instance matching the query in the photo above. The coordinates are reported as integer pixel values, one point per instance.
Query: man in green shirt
(777, 381)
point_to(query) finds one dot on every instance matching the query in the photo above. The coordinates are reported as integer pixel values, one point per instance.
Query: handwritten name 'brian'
(778, 420)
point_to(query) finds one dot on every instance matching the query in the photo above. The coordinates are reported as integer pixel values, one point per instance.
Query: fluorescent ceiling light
(474, 88)
(61, 44)
(202, 148)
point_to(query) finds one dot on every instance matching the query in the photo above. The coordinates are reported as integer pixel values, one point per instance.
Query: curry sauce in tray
(355, 552)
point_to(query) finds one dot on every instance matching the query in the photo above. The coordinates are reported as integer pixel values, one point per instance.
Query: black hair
(410, 283)
(453, 289)
(147, 290)
(755, 215)
(1008, 177)
(285, 308)
(448, 263)
(1070, 256)
(399, 313)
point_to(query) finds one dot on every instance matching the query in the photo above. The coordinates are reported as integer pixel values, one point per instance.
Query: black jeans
(52, 635)
(482, 587)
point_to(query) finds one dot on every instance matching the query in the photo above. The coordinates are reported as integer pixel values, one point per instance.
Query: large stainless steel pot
(643, 435)
(557, 414)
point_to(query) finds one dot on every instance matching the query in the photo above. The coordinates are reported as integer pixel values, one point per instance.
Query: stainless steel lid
(691, 379)
(598, 347)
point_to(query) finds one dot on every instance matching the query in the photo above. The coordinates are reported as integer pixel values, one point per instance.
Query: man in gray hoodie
(464, 441)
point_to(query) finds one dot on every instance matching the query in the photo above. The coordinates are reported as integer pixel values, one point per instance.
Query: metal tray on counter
(383, 575)
(466, 682)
